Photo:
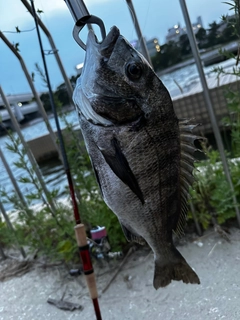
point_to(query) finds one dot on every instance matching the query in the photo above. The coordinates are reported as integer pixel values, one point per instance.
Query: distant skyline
(155, 18)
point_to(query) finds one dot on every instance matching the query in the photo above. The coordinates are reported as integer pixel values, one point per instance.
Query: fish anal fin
(131, 236)
(120, 166)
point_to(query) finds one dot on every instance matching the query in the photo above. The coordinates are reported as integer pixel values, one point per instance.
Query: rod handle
(85, 255)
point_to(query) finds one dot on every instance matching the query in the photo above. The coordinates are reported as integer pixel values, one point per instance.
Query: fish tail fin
(175, 269)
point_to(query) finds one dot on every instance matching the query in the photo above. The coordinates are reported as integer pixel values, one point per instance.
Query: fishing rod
(82, 17)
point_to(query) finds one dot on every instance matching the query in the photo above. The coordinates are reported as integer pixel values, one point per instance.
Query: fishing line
(43, 14)
(129, 8)
(134, 20)
(149, 2)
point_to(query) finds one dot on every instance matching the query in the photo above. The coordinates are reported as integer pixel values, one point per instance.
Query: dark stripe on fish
(119, 165)
(116, 109)
(170, 182)
(173, 205)
(98, 179)
(168, 159)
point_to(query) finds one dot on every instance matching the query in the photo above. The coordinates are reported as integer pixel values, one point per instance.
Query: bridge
(22, 105)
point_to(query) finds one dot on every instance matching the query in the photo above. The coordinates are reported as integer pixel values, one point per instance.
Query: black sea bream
(141, 153)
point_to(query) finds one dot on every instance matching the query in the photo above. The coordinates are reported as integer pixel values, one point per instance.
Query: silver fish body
(141, 153)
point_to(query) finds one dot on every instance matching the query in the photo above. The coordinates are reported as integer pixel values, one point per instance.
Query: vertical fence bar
(10, 226)
(208, 102)
(28, 150)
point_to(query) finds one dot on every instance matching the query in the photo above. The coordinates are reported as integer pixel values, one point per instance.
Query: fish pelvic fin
(176, 269)
(187, 138)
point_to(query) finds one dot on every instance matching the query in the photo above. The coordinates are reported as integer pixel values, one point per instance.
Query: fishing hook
(90, 19)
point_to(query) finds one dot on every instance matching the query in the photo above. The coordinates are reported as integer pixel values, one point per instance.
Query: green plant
(37, 228)
(211, 195)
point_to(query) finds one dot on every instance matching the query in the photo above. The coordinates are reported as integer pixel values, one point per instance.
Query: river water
(52, 171)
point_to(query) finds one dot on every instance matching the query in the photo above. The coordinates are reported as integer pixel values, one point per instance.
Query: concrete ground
(131, 296)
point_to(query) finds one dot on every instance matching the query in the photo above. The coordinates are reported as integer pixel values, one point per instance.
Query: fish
(141, 153)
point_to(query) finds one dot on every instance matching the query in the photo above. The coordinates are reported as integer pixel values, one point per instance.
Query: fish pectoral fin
(120, 166)
(132, 236)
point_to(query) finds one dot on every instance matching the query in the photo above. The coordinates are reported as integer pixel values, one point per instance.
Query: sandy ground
(131, 296)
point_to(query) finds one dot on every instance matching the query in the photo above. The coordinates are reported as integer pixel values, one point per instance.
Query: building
(79, 68)
(175, 32)
(152, 45)
(196, 26)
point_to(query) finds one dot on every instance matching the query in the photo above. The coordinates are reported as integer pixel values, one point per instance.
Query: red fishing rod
(82, 17)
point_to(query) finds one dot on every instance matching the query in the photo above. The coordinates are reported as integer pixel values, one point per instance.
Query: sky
(155, 18)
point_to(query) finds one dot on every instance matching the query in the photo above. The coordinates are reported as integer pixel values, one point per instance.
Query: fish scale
(141, 153)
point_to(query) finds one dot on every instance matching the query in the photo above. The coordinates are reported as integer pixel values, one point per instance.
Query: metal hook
(82, 22)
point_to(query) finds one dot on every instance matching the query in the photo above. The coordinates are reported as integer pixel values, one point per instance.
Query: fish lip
(108, 44)
(106, 47)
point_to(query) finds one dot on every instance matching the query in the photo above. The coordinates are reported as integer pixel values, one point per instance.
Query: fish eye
(134, 71)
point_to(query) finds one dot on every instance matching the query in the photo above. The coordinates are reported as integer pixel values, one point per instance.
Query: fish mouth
(106, 47)
(87, 89)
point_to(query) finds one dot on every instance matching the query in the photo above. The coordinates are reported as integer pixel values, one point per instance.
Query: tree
(61, 97)
(201, 37)
(185, 45)
(229, 32)
(61, 91)
(45, 98)
(169, 55)
(213, 34)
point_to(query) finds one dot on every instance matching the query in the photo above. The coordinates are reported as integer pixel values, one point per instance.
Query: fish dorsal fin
(187, 138)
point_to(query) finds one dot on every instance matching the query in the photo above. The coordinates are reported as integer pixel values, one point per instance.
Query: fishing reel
(99, 245)
(99, 248)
